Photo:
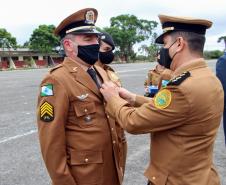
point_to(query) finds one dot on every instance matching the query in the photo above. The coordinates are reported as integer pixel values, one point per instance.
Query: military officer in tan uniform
(106, 56)
(157, 77)
(183, 118)
(79, 141)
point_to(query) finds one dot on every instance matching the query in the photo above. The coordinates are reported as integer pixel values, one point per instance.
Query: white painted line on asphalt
(132, 70)
(18, 136)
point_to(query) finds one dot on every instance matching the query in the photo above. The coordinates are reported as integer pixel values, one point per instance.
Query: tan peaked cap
(80, 22)
(176, 23)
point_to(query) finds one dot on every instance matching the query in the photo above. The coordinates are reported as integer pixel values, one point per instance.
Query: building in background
(24, 57)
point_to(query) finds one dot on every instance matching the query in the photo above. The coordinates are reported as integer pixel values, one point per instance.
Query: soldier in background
(221, 74)
(106, 56)
(156, 79)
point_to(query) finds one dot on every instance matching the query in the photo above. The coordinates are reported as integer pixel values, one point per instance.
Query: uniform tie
(93, 75)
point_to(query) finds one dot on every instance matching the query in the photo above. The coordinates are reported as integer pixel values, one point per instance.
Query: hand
(108, 90)
(127, 95)
(146, 89)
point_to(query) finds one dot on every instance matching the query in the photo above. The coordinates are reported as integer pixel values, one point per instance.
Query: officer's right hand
(127, 95)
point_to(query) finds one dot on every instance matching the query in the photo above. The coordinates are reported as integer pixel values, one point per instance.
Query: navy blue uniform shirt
(221, 74)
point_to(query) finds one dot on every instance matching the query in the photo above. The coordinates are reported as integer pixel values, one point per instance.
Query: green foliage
(7, 40)
(213, 54)
(150, 51)
(128, 30)
(43, 39)
(224, 39)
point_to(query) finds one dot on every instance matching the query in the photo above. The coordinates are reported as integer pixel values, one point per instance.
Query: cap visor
(159, 40)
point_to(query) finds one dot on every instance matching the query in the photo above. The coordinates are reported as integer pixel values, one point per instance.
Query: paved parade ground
(20, 158)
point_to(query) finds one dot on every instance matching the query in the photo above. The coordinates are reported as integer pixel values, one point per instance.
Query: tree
(6, 39)
(151, 50)
(43, 39)
(213, 54)
(128, 30)
(224, 39)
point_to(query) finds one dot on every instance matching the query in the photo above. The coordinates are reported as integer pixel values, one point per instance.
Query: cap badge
(89, 17)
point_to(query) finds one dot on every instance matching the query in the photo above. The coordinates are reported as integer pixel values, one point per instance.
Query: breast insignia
(114, 78)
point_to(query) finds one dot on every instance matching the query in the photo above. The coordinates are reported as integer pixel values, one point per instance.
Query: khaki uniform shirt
(155, 77)
(79, 141)
(183, 119)
(111, 75)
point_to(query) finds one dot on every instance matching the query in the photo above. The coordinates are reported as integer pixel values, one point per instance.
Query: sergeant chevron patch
(46, 112)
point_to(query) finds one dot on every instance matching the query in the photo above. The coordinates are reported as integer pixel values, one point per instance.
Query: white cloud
(22, 16)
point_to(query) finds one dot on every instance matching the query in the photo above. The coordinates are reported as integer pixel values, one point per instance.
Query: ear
(180, 43)
(68, 45)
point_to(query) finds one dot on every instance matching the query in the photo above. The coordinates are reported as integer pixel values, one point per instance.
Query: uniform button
(153, 178)
(112, 129)
(85, 110)
(108, 116)
(88, 118)
(114, 142)
(86, 160)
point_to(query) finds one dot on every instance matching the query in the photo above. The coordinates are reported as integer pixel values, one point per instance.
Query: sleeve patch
(47, 90)
(46, 112)
(162, 99)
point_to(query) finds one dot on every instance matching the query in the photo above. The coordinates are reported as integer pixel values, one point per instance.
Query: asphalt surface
(20, 159)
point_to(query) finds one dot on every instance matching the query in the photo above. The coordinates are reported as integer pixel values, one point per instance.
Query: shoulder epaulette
(56, 67)
(179, 79)
(107, 67)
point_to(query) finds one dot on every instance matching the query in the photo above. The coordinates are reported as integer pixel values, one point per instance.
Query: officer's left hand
(108, 90)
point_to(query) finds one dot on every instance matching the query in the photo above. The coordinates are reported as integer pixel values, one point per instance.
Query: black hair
(195, 41)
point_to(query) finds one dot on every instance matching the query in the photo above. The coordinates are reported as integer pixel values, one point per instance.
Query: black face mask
(89, 53)
(165, 59)
(106, 57)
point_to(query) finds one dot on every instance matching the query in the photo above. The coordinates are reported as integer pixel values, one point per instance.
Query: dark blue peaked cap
(107, 38)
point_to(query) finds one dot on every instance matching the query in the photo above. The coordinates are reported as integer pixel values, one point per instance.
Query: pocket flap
(84, 108)
(156, 176)
(86, 157)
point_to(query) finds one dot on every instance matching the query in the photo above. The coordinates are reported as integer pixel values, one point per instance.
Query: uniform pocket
(85, 113)
(156, 177)
(87, 167)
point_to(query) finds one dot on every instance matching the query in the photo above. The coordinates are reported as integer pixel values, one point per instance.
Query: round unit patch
(162, 99)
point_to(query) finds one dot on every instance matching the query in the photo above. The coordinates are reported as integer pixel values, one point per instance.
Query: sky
(21, 17)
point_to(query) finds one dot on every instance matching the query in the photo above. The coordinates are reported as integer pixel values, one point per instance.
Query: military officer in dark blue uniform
(221, 74)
